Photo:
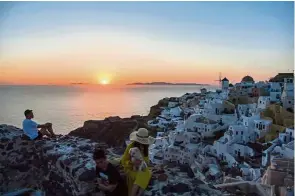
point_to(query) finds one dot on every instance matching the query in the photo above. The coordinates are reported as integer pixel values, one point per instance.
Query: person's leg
(49, 128)
(44, 131)
(140, 191)
(130, 180)
(134, 191)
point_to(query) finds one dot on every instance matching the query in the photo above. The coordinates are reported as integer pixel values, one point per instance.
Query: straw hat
(142, 136)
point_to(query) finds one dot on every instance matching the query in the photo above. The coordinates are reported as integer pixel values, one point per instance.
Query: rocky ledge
(113, 130)
(61, 166)
(64, 166)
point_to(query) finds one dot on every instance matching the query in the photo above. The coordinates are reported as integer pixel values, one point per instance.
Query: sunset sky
(125, 42)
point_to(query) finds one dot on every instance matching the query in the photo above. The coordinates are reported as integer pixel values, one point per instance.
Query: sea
(68, 107)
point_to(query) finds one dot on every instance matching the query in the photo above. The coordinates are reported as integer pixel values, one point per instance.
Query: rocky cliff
(113, 130)
(63, 166)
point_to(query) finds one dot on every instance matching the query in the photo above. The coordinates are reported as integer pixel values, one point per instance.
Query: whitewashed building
(245, 109)
(177, 137)
(251, 174)
(240, 134)
(261, 84)
(160, 142)
(287, 97)
(160, 134)
(266, 154)
(188, 154)
(284, 151)
(287, 137)
(213, 106)
(172, 153)
(288, 84)
(205, 127)
(157, 156)
(263, 102)
(248, 121)
(241, 150)
(275, 91)
(262, 127)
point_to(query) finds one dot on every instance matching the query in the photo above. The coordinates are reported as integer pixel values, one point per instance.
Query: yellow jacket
(140, 178)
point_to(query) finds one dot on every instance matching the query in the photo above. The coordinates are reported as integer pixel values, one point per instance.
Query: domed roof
(247, 79)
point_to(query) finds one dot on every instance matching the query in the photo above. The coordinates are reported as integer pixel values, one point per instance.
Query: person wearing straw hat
(137, 181)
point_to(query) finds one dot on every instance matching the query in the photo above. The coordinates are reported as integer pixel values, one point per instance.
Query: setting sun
(104, 81)
(104, 78)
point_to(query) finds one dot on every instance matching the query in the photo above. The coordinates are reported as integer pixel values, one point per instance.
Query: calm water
(67, 107)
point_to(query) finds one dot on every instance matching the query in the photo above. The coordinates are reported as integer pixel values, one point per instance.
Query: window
(289, 102)
(260, 101)
(263, 126)
(241, 132)
(237, 133)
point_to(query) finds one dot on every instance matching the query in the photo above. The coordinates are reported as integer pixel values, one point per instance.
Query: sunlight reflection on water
(67, 107)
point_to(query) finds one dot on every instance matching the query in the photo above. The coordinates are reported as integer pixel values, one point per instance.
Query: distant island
(167, 83)
(79, 83)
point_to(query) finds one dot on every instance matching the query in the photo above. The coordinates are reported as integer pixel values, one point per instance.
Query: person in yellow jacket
(137, 181)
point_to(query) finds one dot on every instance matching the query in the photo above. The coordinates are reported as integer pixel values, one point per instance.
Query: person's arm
(114, 177)
(42, 126)
(46, 125)
(125, 160)
(36, 125)
(109, 188)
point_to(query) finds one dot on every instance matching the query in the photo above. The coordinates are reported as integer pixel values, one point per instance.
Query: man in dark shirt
(109, 179)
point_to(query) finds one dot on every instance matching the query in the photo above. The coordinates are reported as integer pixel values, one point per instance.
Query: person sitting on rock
(137, 180)
(30, 127)
(109, 179)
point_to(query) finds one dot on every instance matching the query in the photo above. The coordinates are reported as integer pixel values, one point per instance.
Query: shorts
(40, 135)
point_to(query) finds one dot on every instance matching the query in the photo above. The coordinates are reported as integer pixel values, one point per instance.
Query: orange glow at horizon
(204, 75)
(65, 71)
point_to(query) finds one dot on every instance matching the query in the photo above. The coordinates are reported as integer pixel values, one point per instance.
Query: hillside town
(239, 138)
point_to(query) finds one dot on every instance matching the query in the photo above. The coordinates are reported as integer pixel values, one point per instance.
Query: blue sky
(240, 35)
